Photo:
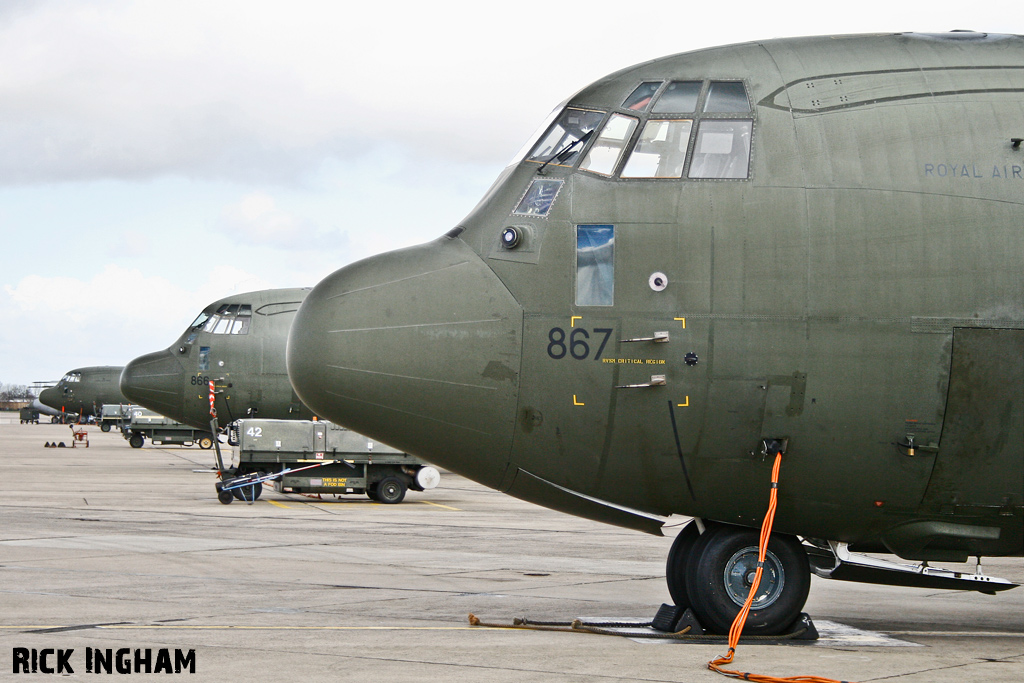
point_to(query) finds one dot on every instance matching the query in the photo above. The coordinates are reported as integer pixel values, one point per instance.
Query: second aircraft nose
(155, 381)
(418, 348)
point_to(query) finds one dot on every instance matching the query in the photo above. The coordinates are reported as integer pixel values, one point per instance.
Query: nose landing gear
(712, 572)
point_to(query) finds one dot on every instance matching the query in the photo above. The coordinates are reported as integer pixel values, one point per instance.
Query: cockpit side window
(661, 150)
(727, 97)
(722, 149)
(604, 154)
(564, 141)
(641, 97)
(200, 321)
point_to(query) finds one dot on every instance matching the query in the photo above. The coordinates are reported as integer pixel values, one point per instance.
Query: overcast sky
(157, 156)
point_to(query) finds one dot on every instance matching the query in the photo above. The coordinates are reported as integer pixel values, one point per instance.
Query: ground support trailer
(115, 416)
(145, 424)
(302, 456)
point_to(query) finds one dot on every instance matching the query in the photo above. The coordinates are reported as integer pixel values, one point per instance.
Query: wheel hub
(739, 575)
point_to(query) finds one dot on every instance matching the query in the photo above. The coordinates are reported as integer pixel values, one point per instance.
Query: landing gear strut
(711, 573)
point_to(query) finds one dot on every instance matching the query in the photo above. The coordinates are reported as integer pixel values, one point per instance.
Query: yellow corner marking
(683, 321)
(573, 319)
(684, 405)
(575, 402)
(280, 505)
(446, 507)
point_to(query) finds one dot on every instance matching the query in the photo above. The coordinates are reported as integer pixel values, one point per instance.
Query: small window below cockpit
(680, 97)
(641, 97)
(661, 150)
(564, 141)
(727, 97)
(604, 154)
(595, 265)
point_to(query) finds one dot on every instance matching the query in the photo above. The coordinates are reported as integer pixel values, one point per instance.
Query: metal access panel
(279, 440)
(143, 418)
(981, 459)
(297, 441)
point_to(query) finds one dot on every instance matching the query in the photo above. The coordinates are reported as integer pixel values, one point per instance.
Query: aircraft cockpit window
(680, 97)
(595, 265)
(661, 150)
(722, 149)
(73, 377)
(604, 154)
(230, 319)
(200, 321)
(563, 142)
(727, 97)
(640, 98)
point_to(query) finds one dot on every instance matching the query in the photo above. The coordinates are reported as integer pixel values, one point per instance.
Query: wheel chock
(666, 618)
(673, 619)
(803, 628)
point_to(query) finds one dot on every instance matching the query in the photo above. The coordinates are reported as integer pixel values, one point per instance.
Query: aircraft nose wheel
(714, 571)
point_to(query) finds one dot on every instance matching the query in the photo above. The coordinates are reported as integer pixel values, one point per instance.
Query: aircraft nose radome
(418, 348)
(50, 397)
(155, 381)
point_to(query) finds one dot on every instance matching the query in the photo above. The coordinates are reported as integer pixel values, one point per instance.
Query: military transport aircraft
(83, 391)
(808, 245)
(239, 343)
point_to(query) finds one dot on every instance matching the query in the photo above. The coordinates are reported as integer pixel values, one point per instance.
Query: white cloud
(256, 219)
(263, 91)
(55, 323)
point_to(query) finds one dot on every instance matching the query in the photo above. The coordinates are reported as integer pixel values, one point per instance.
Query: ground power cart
(145, 424)
(316, 457)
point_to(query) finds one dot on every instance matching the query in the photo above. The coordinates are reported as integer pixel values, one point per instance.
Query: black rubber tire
(225, 497)
(706, 580)
(136, 441)
(675, 567)
(371, 493)
(205, 442)
(390, 490)
(104, 427)
(248, 493)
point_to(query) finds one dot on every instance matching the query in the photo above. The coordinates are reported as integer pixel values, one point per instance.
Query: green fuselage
(238, 343)
(855, 291)
(83, 391)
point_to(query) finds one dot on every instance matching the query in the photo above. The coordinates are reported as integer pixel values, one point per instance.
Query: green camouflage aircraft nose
(153, 381)
(378, 347)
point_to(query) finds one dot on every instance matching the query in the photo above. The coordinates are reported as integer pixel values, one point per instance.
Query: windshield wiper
(564, 154)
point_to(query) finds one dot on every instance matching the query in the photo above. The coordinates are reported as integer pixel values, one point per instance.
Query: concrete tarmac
(111, 547)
